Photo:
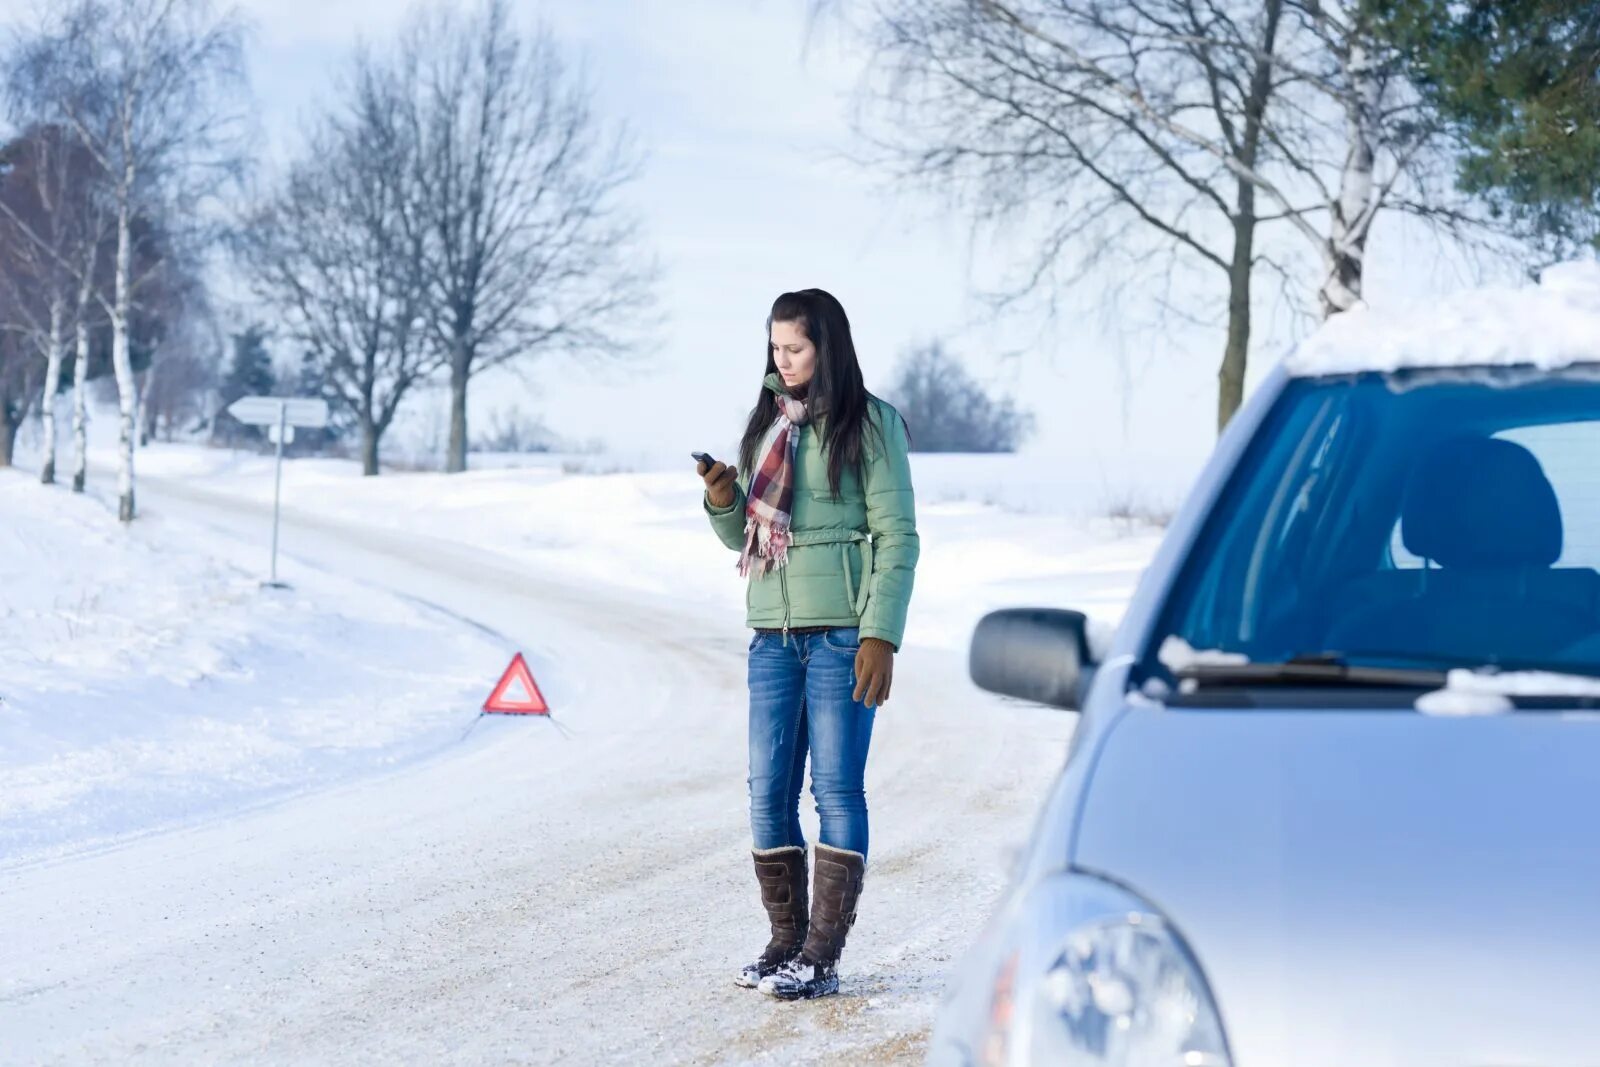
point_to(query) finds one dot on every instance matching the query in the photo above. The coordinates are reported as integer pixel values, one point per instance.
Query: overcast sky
(747, 192)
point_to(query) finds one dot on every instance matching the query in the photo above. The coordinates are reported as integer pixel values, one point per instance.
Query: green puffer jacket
(851, 560)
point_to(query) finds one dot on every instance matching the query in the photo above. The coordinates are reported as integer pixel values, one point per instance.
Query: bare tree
(185, 352)
(26, 275)
(175, 387)
(339, 254)
(1117, 131)
(1354, 138)
(80, 386)
(1177, 133)
(146, 85)
(57, 239)
(528, 253)
(33, 291)
(53, 228)
(20, 374)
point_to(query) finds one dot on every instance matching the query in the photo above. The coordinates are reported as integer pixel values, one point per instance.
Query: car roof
(1550, 325)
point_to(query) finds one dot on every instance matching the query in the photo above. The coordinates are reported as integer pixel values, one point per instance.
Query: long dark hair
(836, 394)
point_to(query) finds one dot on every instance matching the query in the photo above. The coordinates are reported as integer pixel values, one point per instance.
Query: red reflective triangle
(517, 672)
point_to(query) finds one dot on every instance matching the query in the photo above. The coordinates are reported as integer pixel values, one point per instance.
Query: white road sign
(281, 414)
(292, 410)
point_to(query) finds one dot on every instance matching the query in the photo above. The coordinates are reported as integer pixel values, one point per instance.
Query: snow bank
(644, 531)
(1553, 324)
(146, 678)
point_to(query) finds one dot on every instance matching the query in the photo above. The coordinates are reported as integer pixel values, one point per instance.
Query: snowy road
(528, 895)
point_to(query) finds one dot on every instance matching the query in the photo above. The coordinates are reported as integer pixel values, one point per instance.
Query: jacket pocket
(856, 595)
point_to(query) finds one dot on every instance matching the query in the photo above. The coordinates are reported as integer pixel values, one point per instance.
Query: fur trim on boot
(835, 890)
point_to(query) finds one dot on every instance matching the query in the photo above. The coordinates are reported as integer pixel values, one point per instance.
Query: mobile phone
(704, 457)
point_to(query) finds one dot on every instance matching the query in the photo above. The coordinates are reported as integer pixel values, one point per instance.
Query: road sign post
(277, 491)
(280, 414)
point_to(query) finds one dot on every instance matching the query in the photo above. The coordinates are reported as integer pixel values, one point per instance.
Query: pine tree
(249, 374)
(1519, 82)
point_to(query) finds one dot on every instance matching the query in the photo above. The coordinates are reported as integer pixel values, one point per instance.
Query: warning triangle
(516, 693)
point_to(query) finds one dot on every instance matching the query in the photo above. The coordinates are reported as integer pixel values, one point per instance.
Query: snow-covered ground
(147, 678)
(996, 530)
(344, 877)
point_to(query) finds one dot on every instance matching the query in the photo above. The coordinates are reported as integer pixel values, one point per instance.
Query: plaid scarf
(769, 503)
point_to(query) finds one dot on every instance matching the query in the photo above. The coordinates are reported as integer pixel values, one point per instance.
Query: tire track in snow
(910, 764)
(492, 905)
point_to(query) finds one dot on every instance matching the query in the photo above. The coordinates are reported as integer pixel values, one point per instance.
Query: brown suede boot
(814, 972)
(782, 874)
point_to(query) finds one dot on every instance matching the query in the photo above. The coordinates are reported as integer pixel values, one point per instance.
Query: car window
(1569, 452)
(1412, 520)
(1570, 455)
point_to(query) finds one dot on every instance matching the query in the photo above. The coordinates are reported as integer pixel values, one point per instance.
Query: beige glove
(874, 670)
(719, 482)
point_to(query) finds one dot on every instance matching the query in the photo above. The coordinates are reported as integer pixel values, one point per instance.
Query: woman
(820, 510)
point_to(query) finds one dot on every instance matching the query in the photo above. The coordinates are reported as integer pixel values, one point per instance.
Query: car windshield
(1414, 520)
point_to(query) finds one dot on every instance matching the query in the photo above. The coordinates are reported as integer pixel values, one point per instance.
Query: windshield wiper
(1319, 669)
(1486, 666)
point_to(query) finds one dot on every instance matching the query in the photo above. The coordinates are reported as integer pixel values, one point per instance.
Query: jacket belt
(844, 539)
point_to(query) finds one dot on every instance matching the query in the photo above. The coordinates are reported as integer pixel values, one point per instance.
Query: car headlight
(1099, 977)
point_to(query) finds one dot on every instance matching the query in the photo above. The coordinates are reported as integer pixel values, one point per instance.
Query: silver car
(1335, 795)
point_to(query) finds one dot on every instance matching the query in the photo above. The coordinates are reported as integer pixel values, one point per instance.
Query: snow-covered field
(243, 825)
(148, 678)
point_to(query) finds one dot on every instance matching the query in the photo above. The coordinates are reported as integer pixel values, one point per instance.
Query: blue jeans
(801, 696)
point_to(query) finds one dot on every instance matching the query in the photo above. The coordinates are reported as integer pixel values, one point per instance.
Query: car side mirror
(1037, 654)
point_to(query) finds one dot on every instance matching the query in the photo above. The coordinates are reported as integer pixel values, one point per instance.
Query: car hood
(1373, 887)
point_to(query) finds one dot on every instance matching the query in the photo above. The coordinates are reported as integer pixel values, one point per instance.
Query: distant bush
(513, 430)
(947, 410)
(1133, 511)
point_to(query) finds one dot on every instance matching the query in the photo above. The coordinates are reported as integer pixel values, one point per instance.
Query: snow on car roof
(1553, 324)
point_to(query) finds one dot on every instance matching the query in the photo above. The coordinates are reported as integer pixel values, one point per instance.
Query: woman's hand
(719, 482)
(874, 670)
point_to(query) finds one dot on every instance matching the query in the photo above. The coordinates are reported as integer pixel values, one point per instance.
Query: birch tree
(52, 229)
(1369, 142)
(33, 285)
(31, 302)
(147, 87)
(91, 285)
